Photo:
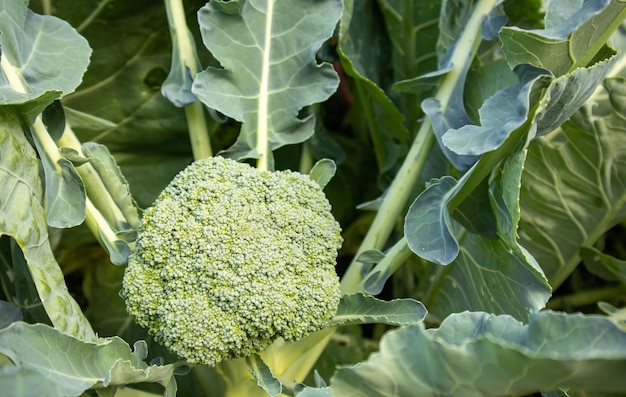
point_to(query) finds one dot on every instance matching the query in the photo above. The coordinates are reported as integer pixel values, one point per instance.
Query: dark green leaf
(54, 119)
(8, 314)
(603, 265)
(362, 48)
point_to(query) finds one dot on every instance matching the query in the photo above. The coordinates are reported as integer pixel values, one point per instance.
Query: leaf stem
(406, 178)
(96, 189)
(196, 119)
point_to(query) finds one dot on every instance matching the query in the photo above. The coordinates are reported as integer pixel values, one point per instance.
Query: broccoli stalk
(230, 258)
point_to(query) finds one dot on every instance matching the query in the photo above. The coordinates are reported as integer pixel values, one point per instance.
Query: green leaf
(267, 49)
(362, 50)
(413, 28)
(24, 382)
(8, 314)
(571, 38)
(492, 275)
(82, 120)
(64, 190)
(23, 218)
(427, 224)
(323, 171)
(371, 256)
(603, 265)
(477, 354)
(364, 309)
(40, 53)
(123, 82)
(263, 375)
(500, 115)
(76, 366)
(583, 162)
(116, 186)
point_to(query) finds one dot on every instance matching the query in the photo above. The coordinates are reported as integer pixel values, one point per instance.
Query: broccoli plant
(212, 198)
(229, 258)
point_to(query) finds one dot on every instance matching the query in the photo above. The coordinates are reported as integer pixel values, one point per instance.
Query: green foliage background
(537, 222)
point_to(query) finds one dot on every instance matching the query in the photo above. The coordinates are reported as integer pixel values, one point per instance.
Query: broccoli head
(230, 257)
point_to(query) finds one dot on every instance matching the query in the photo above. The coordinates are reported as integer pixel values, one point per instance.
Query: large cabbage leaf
(267, 49)
(478, 354)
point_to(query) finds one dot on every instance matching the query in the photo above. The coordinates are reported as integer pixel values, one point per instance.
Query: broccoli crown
(230, 258)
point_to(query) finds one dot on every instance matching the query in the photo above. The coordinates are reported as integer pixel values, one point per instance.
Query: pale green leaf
(323, 171)
(75, 366)
(23, 218)
(575, 33)
(371, 256)
(24, 382)
(78, 119)
(263, 375)
(267, 49)
(40, 53)
(487, 274)
(478, 354)
(364, 309)
(64, 190)
(427, 224)
(116, 186)
(584, 163)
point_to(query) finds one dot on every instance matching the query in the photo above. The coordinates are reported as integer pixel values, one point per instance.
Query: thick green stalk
(399, 192)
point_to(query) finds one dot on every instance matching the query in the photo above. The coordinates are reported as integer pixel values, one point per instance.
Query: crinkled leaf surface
(478, 354)
(267, 49)
(573, 187)
(571, 37)
(362, 309)
(43, 53)
(23, 218)
(509, 108)
(492, 275)
(76, 366)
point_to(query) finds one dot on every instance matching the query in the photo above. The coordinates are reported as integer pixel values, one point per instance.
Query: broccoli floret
(230, 257)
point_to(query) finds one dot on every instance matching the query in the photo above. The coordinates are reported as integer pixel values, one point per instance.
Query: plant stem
(196, 119)
(584, 298)
(394, 258)
(406, 178)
